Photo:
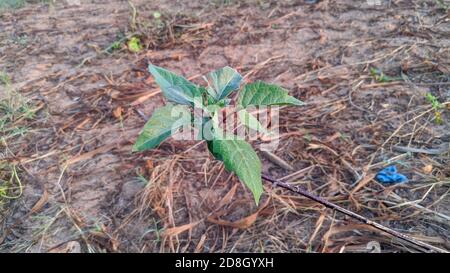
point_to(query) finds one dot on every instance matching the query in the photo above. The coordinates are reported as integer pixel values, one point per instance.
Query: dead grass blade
(363, 182)
(175, 231)
(200, 244)
(319, 224)
(228, 197)
(91, 154)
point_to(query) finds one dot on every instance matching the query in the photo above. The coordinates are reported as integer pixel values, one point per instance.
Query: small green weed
(237, 154)
(437, 107)
(379, 76)
(134, 44)
(14, 109)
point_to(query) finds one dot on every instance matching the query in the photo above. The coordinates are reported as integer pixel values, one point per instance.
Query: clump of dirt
(83, 185)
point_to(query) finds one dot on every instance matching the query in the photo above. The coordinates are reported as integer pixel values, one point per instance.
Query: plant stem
(360, 218)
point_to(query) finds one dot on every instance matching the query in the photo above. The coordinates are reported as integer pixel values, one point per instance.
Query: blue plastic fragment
(389, 175)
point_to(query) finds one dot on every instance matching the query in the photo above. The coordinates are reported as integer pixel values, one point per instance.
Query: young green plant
(237, 155)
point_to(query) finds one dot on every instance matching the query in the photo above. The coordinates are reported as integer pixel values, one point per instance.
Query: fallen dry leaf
(427, 169)
(91, 154)
(40, 203)
(117, 113)
(228, 197)
(174, 231)
(313, 146)
(241, 224)
(199, 246)
(149, 164)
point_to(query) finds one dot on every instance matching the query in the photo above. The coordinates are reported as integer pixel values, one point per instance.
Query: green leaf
(174, 87)
(224, 102)
(223, 81)
(156, 15)
(434, 101)
(240, 158)
(210, 100)
(216, 155)
(213, 109)
(161, 125)
(210, 126)
(260, 93)
(381, 77)
(134, 44)
(251, 122)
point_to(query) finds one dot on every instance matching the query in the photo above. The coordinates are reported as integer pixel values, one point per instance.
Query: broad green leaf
(260, 93)
(161, 125)
(210, 100)
(223, 81)
(216, 155)
(174, 87)
(212, 109)
(207, 129)
(251, 122)
(210, 126)
(240, 158)
(199, 103)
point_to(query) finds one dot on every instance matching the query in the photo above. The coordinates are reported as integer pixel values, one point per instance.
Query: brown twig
(360, 218)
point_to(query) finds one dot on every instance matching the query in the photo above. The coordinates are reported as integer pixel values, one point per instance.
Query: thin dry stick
(353, 215)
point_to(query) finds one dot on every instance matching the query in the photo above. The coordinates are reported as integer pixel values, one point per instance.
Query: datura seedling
(237, 155)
